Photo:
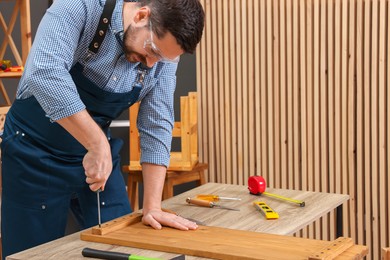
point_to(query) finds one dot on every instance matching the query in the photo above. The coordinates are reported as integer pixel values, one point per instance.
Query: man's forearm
(84, 129)
(153, 178)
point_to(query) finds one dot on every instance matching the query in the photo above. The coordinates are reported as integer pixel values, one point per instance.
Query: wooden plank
(324, 126)
(283, 101)
(263, 89)
(257, 79)
(351, 131)
(296, 127)
(331, 105)
(222, 89)
(213, 92)
(25, 29)
(303, 97)
(185, 129)
(242, 99)
(290, 76)
(193, 121)
(239, 95)
(249, 110)
(214, 126)
(270, 176)
(367, 120)
(316, 102)
(221, 243)
(374, 128)
(227, 92)
(116, 224)
(276, 93)
(382, 126)
(337, 97)
(360, 121)
(388, 120)
(233, 79)
(309, 101)
(344, 85)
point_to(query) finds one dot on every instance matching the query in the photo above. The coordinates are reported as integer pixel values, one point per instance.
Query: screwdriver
(211, 197)
(208, 204)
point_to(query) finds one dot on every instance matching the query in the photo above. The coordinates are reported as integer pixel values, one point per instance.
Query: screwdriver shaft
(98, 204)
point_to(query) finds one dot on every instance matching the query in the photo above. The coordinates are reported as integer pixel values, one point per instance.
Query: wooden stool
(172, 179)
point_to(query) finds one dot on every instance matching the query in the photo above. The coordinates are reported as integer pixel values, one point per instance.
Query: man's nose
(150, 61)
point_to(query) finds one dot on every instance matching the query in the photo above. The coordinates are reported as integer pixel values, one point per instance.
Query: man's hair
(184, 19)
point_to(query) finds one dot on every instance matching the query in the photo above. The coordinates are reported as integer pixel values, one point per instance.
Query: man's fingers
(149, 220)
(157, 219)
(94, 186)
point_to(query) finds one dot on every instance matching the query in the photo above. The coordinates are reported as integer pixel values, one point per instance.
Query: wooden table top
(292, 218)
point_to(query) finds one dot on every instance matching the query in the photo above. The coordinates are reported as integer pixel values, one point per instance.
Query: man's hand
(153, 177)
(97, 164)
(159, 218)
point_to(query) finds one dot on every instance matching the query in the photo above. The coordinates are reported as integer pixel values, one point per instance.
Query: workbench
(292, 218)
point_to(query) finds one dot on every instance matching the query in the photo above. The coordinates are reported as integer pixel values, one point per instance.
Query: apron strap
(101, 30)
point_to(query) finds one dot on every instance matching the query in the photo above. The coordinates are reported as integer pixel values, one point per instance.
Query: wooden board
(217, 243)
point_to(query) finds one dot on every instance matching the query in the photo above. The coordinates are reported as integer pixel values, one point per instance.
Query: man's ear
(142, 15)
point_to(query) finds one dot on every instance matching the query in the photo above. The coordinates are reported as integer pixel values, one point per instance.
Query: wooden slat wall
(298, 91)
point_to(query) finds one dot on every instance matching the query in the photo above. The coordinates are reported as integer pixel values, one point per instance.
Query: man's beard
(129, 38)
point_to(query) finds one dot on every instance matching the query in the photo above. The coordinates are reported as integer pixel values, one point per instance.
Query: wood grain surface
(291, 219)
(220, 243)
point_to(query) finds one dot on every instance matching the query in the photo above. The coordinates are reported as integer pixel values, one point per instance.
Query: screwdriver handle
(203, 203)
(208, 197)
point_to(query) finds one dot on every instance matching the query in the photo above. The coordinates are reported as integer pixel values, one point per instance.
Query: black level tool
(109, 255)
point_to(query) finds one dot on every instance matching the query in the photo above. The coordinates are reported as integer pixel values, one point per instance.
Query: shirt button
(114, 78)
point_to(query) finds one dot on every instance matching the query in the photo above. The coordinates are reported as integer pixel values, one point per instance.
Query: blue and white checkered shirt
(62, 40)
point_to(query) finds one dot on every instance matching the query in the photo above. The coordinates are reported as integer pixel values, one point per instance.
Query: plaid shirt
(62, 40)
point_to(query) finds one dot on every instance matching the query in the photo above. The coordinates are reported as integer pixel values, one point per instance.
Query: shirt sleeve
(51, 57)
(156, 118)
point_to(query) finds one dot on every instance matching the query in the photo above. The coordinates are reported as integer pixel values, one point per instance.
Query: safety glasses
(153, 51)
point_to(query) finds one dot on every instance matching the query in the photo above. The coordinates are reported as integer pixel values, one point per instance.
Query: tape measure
(257, 186)
(266, 210)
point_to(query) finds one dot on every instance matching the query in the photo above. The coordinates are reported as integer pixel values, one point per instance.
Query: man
(91, 60)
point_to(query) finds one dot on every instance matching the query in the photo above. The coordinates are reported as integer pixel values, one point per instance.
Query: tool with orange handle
(208, 204)
(212, 197)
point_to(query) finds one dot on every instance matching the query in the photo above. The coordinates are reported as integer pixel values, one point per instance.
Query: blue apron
(43, 176)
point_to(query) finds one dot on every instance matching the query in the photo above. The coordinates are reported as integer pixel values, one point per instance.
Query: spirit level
(266, 210)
